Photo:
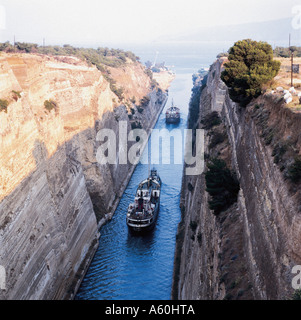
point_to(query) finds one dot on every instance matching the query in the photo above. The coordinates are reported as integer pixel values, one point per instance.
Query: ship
(142, 214)
(172, 114)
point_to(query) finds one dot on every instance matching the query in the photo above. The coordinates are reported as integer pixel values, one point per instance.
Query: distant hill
(275, 32)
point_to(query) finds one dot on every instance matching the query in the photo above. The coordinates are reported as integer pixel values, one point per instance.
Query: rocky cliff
(53, 192)
(248, 250)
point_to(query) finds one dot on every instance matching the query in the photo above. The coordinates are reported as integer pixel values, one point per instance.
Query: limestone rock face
(249, 250)
(51, 186)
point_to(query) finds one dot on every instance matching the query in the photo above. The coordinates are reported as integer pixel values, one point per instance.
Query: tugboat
(143, 213)
(172, 114)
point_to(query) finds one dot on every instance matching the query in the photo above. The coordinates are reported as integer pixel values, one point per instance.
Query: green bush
(3, 105)
(285, 52)
(250, 66)
(222, 185)
(27, 47)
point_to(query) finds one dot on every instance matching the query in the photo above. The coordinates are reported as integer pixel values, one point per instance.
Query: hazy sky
(118, 21)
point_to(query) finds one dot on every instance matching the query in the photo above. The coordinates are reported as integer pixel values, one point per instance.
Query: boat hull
(172, 120)
(142, 215)
(144, 228)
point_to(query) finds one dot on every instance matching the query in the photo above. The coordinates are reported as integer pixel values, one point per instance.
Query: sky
(128, 21)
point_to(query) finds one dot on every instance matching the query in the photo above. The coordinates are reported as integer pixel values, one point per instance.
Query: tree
(250, 66)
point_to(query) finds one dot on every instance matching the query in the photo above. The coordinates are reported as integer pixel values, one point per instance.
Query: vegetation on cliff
(221, 184)
(211, 120)
(50, 105)
(250, 66)
(285, 150)
(285, 52)
(199, 80)
(3, 105)
(100, 56)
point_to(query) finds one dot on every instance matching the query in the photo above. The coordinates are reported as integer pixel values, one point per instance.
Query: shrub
(117, 91)
(193, 225)
(149, 73)
(222, 185)
(154, 84)
(136, 125)
(296, 295)
(200, 237)
(268, 135)
(211, 120)
(50, 104)
(3, 105)
(16, 95)
(27, 47)
(278, 152)
(144, 101)
(250, 66)
(190, 187)
(216, 139)
(294, 171)
(99, 57)
(194, 106)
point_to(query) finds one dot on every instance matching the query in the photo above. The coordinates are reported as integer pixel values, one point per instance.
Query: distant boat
(172, 114)
(143, 213)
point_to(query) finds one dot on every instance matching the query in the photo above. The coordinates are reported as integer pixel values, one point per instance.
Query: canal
(128, 267)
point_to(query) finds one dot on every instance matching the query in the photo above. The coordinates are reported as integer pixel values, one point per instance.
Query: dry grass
(283, 79)
(284, 76)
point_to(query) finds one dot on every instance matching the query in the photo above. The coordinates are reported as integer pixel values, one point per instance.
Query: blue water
(127, 267)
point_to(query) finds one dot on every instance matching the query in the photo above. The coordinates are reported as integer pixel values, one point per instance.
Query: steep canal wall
(53, 192)
(248, 250)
